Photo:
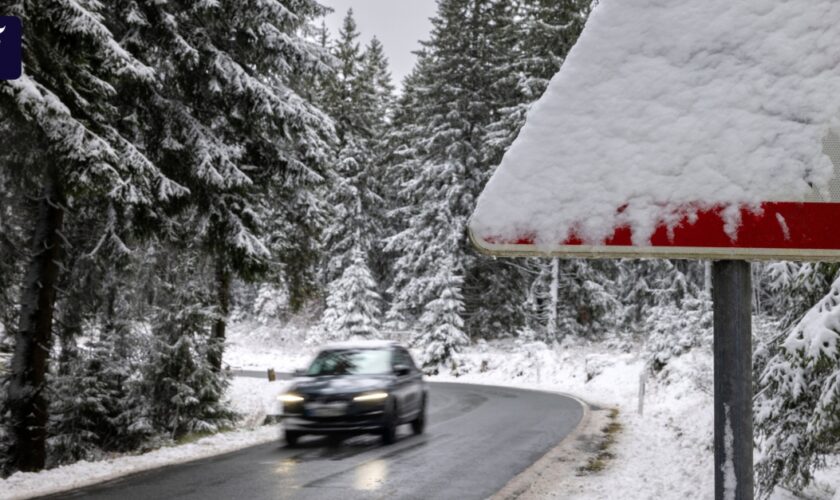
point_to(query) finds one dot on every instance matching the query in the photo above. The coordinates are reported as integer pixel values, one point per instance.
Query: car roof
(361, 344)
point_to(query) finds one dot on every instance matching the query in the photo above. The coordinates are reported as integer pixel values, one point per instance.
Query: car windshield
(351, 362)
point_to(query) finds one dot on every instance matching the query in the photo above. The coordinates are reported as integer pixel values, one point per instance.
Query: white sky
(399, 25)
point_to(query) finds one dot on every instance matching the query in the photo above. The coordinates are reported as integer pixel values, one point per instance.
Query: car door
(411, 385)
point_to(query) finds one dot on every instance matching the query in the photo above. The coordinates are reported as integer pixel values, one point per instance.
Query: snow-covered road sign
(685, 129)
(682, 129)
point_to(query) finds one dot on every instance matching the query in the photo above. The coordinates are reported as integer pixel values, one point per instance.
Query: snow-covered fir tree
(443, 166)
(797, 403)
(236, 132)
(544, 34)
(79, 148)
(442, 327)
(359, 97)
(353, 305)
(790, 289)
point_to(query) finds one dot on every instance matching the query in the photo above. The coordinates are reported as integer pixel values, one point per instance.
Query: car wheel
(419, 423)
(291, 437)
(389, 429)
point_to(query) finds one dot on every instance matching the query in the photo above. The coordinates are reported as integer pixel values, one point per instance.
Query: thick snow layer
(662, 105)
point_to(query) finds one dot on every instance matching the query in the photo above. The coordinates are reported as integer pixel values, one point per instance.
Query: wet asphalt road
(477, 438)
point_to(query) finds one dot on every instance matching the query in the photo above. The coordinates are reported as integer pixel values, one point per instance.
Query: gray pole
(732, 297)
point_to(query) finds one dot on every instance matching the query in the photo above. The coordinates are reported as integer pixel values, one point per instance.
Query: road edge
(84, 474)
(563, 460)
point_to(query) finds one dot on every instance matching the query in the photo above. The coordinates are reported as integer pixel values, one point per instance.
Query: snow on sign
(680, 128)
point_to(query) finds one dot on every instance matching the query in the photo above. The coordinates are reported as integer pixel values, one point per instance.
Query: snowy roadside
(252, 398)
(80, 474)
(666, 452)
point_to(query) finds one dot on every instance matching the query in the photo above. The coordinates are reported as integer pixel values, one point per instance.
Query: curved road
(477, 439)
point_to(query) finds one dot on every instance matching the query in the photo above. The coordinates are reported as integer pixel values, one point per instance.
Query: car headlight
(290, 398)
(373, 396)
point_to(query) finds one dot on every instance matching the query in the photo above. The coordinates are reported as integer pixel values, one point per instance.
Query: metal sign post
(731, 294)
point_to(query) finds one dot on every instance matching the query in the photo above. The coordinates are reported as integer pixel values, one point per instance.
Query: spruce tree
(79, 147)
(357, 96)
(237, 133)
(442, 163)
(353, 306)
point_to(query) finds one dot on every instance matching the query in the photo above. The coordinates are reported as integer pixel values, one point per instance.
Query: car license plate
(327, 410)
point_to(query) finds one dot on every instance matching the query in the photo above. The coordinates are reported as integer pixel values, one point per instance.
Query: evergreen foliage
(797, 404)
(138, 131)
(359, 98)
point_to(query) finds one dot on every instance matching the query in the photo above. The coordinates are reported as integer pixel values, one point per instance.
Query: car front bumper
(359, 422)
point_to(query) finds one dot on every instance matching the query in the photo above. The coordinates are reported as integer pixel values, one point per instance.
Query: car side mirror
(299, 372)
(401, 370)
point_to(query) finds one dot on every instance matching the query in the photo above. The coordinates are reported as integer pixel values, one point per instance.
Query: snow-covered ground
(666, 452)
(255, 345)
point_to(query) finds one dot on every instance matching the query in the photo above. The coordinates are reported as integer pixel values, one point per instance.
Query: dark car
(358, 388)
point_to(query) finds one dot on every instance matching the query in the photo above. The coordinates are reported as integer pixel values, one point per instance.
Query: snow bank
(662, 106)
(665, 453)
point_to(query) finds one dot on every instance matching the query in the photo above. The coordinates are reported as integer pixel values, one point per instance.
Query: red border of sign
(778, 230)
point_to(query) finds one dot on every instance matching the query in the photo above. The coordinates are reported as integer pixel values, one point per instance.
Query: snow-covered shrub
(270, 303)
(676, 329)
(594, 364)
(797, 404)
(97, 400)
(185, 392)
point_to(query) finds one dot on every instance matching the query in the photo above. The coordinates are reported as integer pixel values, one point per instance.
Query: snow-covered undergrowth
(259, 345)
(254, 345)
(666, 452)
(80, 474)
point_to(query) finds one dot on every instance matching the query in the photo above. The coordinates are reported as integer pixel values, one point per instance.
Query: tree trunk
(27, 395)
(223, 297)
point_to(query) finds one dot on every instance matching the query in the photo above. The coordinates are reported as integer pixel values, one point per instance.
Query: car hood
(345, 384)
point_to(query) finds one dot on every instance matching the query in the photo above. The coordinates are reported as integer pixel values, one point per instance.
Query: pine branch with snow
(797, 403)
